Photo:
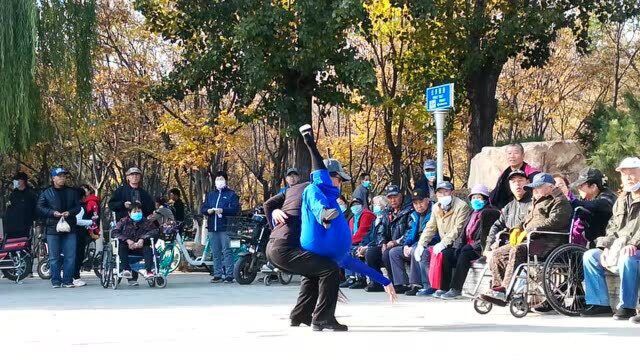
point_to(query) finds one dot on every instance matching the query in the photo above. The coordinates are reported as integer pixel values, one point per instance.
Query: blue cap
(541, 179)
(444, 185)
(58, 171)
(429, 165)
(392, 190)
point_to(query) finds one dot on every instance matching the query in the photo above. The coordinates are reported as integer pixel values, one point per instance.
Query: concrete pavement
(192, 317)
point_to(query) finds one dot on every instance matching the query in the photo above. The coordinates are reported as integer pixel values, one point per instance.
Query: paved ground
(194, 318)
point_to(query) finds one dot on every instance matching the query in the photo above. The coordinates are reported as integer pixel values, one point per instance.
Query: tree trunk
(481, 93)
(395, 150)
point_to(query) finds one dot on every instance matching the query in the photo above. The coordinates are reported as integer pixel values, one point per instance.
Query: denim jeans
(64, 244)
(596, 291)
(222, 256)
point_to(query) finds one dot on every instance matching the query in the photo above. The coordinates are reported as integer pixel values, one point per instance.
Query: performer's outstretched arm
(357, 266)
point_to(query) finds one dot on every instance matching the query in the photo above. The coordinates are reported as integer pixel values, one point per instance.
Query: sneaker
(79, 283)
(228, 280)
(216, 279)
(56, 286)
(345, 284)
(543, 308)
(127, 274)
(624, 314)
(596, 310)
(374, 287)
(635, 319)
(413, 291)
(359, 284)
(133, 282)
(426, 292)
(451, 294)
(401, 289)
(438, 293)
(68, 286)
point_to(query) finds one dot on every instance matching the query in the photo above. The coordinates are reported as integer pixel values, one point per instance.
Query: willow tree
(19, 97)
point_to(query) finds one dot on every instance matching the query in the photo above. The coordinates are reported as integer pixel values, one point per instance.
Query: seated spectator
(617, 251)
(363, 191)
(360, 224)
(550, 211)
(402, 254)
(342, 202)
(399, 225)
(135, 234)
(162, 214)
(379, 236)
(511, 215)
(468, 246)
(598, 200)
(501, 195)
(448, 219)
(562, 183)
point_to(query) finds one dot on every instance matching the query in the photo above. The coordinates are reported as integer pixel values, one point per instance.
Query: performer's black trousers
(320, 282)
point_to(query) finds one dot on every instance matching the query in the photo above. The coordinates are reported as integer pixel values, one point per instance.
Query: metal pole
(440, 116)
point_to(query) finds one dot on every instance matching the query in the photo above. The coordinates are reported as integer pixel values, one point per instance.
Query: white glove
(437, 248)
(417, 253)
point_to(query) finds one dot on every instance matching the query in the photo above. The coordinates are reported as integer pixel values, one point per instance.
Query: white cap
(629, 163)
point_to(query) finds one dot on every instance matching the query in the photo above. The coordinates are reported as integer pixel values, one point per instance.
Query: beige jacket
(624, 225)
(449, 225)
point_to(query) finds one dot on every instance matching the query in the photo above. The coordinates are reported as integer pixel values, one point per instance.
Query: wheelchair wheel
(44, 270)
(267, 280)
(482, 307)
(161, 281)
(519, 306)
(285, 279)
(151, 282)
(563, 277)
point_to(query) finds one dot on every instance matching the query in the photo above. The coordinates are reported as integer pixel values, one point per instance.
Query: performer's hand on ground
(279, 217)
(391, 291)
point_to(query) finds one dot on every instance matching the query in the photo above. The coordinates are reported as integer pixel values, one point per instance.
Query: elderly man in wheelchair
(135, 235)
(544, 228)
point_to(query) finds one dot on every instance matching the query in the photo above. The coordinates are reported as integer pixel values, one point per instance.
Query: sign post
(439, 100)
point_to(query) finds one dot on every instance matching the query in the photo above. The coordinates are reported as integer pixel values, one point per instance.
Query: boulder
(565, 157)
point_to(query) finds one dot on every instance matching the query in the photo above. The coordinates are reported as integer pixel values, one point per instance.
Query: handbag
(435, 269)
(63, 226)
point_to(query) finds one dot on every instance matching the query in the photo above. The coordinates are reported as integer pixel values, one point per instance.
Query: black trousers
(82, 240)
(320, 283)
(377, 259)
(147, 253)
(460, 260)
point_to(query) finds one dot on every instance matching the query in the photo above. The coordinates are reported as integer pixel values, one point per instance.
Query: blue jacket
(334, 242)
(417, 222)
(227, 200)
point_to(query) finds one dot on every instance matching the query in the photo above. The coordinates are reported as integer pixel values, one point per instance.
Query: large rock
(563, 157)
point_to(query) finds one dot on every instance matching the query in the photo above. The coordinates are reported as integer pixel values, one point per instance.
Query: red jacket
(367, 218)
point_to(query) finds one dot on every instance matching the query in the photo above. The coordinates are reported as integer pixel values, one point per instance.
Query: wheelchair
(556, 279)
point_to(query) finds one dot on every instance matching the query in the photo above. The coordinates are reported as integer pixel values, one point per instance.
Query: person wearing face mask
(218, 206)
(135, 234)
(399, 256)
(342, 203)
(550, 211)
(468, 246)
(324, 241)
(21, 208)
(448, 219)
(617, 251)
(121, 200)
(501, 194)
(360, 223)
(363, 191)
(427, 182)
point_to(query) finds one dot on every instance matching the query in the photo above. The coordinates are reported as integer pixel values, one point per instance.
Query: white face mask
(445, 201)
(16, 184)
(632, 188)
(221, 184)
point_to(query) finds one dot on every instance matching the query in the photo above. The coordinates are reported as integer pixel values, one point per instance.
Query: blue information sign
(439, 97)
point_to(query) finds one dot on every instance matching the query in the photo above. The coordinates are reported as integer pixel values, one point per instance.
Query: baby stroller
(558, 279)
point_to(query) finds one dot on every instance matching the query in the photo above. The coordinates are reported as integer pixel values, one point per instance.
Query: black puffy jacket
(60, 200)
